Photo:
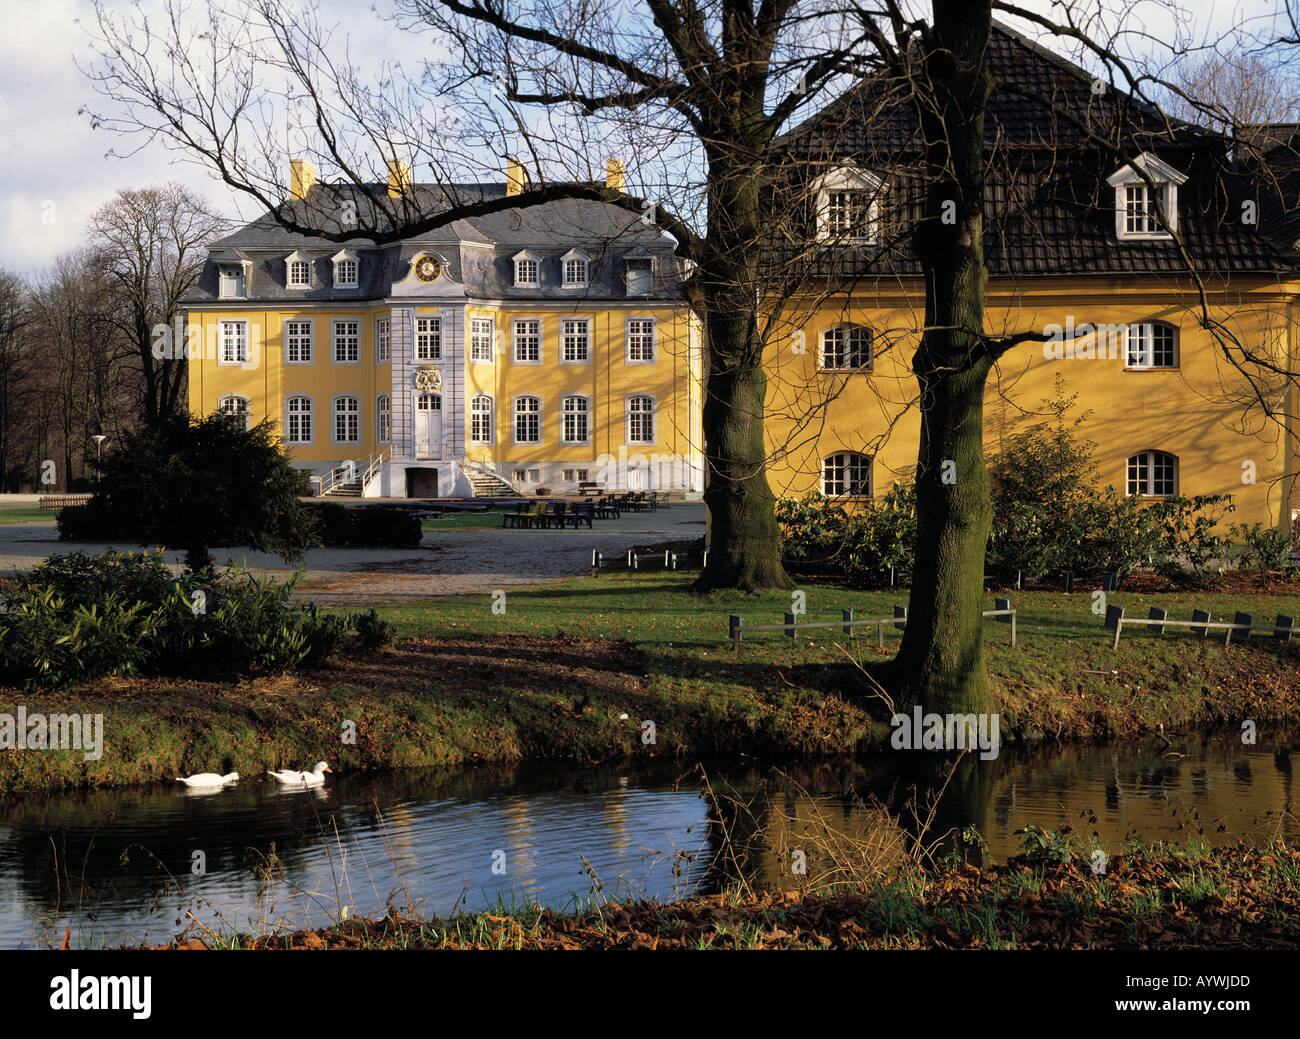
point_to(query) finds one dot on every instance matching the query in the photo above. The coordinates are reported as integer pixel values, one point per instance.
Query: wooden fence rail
(736, 626)
(1200, 624)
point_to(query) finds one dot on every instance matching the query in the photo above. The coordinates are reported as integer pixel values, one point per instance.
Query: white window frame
(290, 261)
(589, 335)
(564, 414)
(478, 414)
(247, 409)
(1147, 460)
(242, 344)
(311, 419)
(521, 258)
(311, 340)
(1164, 177)
(383, 418)
(627, 339)
(627, 419)
(383, 340)
(335, 339)
(482, 345)
(850, 459)
(514, 420)
(649, 264)
(334, 420)
(338, 260)
(838, 181)
(437, 319)
(515, 337)
(575, 256)
(236, 273)
(847, 330)
(1146, 331)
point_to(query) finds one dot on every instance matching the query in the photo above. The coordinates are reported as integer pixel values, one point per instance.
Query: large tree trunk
(941, 660)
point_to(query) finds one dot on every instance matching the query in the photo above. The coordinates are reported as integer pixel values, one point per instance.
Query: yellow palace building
(540, 347)
(1183, 382)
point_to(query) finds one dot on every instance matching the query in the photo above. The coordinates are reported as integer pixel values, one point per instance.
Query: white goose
(208, 779)
(316, 777)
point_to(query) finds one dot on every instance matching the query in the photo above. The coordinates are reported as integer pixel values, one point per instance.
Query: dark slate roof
(1277, 172)
(1048, 209)
(479, 251)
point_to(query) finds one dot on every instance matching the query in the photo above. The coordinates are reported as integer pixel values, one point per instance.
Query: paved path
(452, 562)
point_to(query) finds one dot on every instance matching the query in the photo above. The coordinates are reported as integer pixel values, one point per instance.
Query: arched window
(641, 420)
(235, 405)
(846, 474)
(297, 420)
(1153, 474)
(347, 420)
(1152, 344)
(383, 418)
(480, 419)
(528, 420)
(846, 348)
(575, 426)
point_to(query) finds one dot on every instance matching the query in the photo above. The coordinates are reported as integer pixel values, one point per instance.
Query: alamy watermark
(920, 731)
(84, 732)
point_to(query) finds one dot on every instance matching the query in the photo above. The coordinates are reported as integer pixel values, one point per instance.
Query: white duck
(208, 780)
(316, 777)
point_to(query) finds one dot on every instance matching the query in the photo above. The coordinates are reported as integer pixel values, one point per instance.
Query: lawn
(463, 521)
(15, 515)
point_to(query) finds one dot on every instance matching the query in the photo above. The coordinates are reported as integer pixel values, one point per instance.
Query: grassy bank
(1149, 898)
(552, 677)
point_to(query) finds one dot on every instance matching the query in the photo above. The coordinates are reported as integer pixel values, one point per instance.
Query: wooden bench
(590, 487)
(55, 502)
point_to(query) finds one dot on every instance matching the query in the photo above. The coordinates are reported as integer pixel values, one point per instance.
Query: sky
(55, 170)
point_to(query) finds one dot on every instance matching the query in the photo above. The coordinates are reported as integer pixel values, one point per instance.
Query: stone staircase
(349, 489)
(488, 485)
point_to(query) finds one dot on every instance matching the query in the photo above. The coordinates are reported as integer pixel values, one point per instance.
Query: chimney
(302, 175)
(516, 177)
(614, 174)
(399, 178)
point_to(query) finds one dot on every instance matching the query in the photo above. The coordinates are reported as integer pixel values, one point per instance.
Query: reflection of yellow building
(534, 347)
(1071, 238)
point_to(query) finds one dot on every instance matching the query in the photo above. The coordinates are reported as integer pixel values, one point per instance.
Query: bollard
(733, 624)
(847, 617)
(1282, 629)
(1199, 615)
(666, 555)
(1002, 604)
(1069, 580)
(1241, 627)
(1109, 581)
(891, 577)
(704, 564)
(1157, 614)
(1113, 616)
(900, 617)
(631, 559)
(596, 559)
(1020, 579)
(789, 625)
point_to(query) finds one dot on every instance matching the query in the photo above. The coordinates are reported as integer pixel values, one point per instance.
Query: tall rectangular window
(297, 423)
(575, 337)
(234, 342)
(528, 420)
(481, 339)
(528, 341)
(428, 339)
(574, 414)
(347, 342)
(297, 342)
(383, 339)
(384, 418)
(641, 341)
(480, 419)
(347, 420)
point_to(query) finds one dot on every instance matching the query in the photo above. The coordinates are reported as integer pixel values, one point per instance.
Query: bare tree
(17, 381)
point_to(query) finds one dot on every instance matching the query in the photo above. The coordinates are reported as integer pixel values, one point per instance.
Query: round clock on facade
(428, 269)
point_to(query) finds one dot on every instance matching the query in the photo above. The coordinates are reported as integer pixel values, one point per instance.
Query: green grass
(16, 515)
(464, 521)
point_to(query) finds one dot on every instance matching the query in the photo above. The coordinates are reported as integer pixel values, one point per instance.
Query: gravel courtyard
(451, 562)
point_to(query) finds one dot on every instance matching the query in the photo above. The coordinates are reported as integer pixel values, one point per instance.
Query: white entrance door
(428, 425)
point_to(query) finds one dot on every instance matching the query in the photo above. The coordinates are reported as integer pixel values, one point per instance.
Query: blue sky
(53, 167)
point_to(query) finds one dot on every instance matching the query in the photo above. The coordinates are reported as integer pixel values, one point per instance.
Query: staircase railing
(352, 471)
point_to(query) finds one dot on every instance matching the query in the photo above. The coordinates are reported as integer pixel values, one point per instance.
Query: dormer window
(528, 268)
(1142, 189)
(297, 271)
(345, 269)
(233, 280)
(576, 270)
(640, 272)
(848, 206)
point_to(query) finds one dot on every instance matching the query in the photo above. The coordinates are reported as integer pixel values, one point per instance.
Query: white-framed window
(347, 419)
(846, 474)
(526, 341)
(1152, 344)
(428, 339)
(640, 334)
(576, 475)
(576, 269)
(575, 420)
(297, 271)
(346, 268)
(575, 340)
(234, 342)
(846, 348)
(297, 342)
(528, 270)
(528, 420)
(383, 419)
(481, 424)
(640, 276)
(234, 404)
(232, 281)
(1152, 474)
(482, 339)
(383, 340)
(346, 337)
(298, 419)
(1142, 188)
(848, 206)
(641, 419)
